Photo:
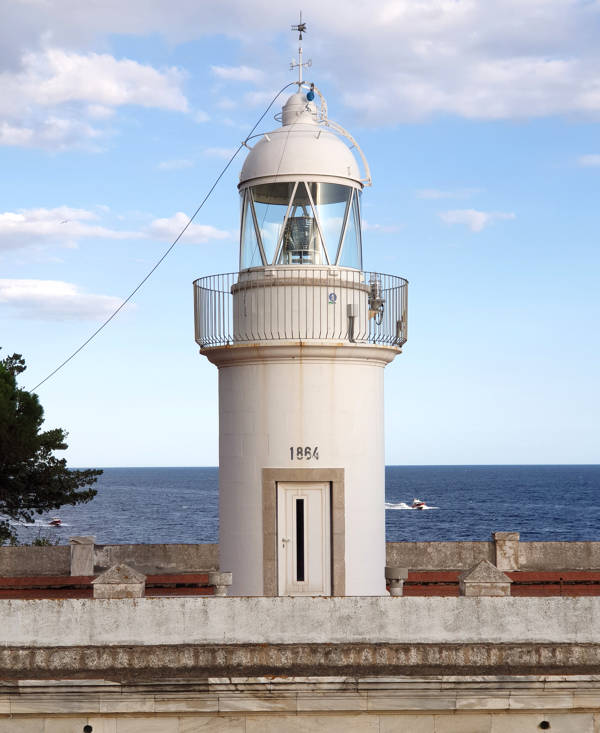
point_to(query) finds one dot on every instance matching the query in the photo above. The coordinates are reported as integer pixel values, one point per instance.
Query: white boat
(418, 504)
(55, 522)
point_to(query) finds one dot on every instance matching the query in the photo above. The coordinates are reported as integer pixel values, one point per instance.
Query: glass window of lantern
(250, 255)
(331, 202)
(351, 254)
(271, 201)
(301, 240)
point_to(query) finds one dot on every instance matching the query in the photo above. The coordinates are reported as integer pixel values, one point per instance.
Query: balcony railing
(300, 304)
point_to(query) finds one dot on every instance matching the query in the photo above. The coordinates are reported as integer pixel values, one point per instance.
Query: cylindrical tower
(301, 335)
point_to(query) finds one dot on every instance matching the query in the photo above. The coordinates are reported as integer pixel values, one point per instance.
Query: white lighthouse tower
(301, 335)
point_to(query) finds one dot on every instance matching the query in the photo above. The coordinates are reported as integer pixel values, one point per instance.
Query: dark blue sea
(155, 505)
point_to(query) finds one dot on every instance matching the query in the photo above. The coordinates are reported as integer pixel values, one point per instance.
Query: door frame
(333, 476)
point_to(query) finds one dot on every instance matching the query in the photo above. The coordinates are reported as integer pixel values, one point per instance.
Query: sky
(480, 122)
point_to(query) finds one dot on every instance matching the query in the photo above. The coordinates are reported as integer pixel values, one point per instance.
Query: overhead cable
(168, 250)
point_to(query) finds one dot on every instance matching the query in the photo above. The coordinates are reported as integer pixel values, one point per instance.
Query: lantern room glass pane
(250, 251)
(270, 204)
(351, 255)
(301, 224)
(301, 242)
(331, 201)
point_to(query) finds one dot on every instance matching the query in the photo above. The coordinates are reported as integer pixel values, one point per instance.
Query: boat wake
(38, 523)
(416, 505)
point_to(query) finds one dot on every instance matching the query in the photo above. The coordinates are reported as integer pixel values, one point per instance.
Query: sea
(180, 505)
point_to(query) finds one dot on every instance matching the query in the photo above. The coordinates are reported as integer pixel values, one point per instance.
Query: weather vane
(301, 28)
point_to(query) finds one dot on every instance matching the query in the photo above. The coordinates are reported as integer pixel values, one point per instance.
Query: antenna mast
(301, 28)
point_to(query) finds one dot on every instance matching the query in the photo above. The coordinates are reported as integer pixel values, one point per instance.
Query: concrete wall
(163, 558)
(559, 555)
(15, 561)
(439, 555)
(158, 559)
(300, 620)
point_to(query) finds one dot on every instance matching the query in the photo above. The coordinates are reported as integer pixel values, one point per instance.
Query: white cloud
(201, 116)
(225, 103)
(238, 73)
(457, 193)
(589, 161)
(62, 225)
(384, 228)
(480, 60)
(225, 153)
(175, 165)
(51, 300)
(168, 229)
(48, 100)
(475, 220)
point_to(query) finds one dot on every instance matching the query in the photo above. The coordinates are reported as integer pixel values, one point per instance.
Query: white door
(304, 539)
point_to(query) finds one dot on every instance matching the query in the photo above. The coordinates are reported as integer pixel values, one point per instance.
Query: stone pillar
(220, 582)
(507, 550)
(484, 580)
(395, 577)
(82, 555)
(120, 581)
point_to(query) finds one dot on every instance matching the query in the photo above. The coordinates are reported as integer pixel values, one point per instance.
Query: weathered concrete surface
(17, 561)
(158, 559)
(559, 555)
(120, 581)
(82, 555)
(484, 580)
(507, 550)
(292, 660)
(303, 705)
(300, 620)
(439, 555)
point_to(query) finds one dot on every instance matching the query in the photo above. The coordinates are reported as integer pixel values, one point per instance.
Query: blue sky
(480, 123)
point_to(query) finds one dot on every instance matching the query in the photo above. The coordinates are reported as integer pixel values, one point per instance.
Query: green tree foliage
(32, 478)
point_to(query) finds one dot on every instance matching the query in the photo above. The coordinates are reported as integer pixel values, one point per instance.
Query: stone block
(257, 703)
(464, 723)
(406, 724)
(64, 725)
(120, 581)
(220, 582)
(359, 723)
(148, 725)
(21, 725)
(484, 580)
(559, 722)
(507, 550)
(328, 703)
(395, 576)
(103, 725)
(221, 724)
(82, 555)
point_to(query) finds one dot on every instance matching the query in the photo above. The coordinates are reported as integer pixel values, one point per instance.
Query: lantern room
(300, 190)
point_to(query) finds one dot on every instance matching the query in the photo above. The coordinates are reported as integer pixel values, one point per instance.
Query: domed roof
(301, 147)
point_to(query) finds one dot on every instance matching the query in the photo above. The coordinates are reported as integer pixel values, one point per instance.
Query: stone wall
(158, 559)
(160, 638)
(179, 558)
(32, 561)
(439, 555)
(307, 705)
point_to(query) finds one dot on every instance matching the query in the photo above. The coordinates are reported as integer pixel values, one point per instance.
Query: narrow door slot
(299, 540)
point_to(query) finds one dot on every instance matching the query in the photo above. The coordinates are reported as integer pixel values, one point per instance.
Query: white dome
(301, 148)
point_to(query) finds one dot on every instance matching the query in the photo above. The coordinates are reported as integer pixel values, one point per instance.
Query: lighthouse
(301, 335)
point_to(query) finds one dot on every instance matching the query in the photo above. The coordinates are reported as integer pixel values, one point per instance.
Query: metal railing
(300, 304)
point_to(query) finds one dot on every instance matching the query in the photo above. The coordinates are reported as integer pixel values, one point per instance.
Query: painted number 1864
(305, 453)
